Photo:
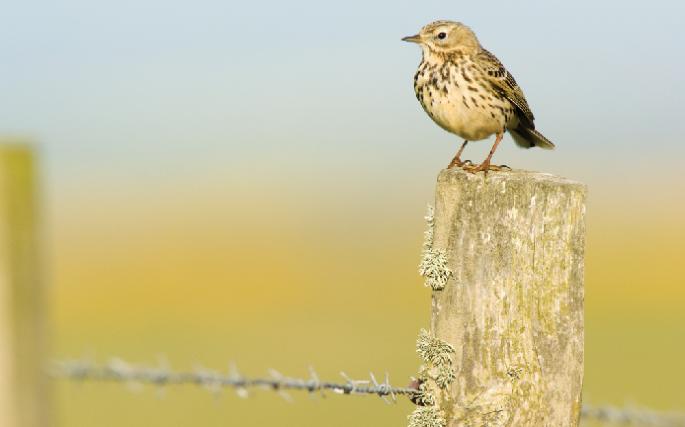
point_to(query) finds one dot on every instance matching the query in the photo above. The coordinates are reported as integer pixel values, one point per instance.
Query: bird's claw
(459, 163)
(485, 167)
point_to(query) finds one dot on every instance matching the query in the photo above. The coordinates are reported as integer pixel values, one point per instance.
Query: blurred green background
(228, 181)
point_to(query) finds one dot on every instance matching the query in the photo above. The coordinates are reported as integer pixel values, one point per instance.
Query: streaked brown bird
(467, 91)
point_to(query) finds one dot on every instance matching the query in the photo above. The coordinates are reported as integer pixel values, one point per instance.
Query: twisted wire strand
(632, 416)
(118, 370)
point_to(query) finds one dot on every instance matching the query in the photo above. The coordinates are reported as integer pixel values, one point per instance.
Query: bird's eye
(441, 36)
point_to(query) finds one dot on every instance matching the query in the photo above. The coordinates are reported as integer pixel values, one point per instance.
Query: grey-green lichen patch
(433, 350)
(433, 265)
(427, 416)
(445, 376)
(436, 374)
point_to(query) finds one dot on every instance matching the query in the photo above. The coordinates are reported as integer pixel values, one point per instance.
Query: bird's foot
(485, 167)
(456, 162)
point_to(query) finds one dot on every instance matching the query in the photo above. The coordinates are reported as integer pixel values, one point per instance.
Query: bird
(467, 91)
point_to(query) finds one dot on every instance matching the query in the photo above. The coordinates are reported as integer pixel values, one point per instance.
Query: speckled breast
(459, 101)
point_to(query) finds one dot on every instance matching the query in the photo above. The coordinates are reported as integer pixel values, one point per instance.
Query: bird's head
(445, 37)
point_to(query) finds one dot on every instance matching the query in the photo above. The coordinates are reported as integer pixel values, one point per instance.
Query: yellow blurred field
(283, 285)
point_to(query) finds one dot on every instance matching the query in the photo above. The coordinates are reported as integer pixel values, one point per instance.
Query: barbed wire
(118, 370)
(632, 416)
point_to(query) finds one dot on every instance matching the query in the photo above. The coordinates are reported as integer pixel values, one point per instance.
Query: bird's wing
(503, 82)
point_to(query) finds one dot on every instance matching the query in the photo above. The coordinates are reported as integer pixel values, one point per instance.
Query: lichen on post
(513, 305)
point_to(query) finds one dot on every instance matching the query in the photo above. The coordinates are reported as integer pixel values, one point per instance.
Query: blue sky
(153, 90)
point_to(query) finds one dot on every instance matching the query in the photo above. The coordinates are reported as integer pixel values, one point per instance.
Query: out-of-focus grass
(332, 285)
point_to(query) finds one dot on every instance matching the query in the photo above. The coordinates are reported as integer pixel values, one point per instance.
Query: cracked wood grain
(513, 308)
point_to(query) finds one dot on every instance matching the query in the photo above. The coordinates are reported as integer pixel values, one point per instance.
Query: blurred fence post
(513, 308)
(24, 388)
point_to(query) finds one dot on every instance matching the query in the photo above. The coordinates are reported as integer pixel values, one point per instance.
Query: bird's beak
(413, 39)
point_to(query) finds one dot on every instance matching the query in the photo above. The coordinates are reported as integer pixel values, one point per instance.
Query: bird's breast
(460, 100)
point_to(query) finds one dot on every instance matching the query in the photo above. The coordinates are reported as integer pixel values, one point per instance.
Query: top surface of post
(495, 177)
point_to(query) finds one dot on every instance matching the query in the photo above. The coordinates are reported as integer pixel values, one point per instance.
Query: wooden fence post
(24, 388)
(513, 307)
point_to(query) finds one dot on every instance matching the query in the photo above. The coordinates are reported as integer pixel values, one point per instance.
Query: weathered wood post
(24, 389)
(513, 307)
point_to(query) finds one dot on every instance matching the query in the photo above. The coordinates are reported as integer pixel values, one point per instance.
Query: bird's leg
(456, 161)
(485, 166)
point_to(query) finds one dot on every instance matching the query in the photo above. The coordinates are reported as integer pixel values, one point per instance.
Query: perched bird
(467, 91)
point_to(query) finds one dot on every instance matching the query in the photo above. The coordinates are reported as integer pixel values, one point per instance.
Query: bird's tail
(526, 137)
